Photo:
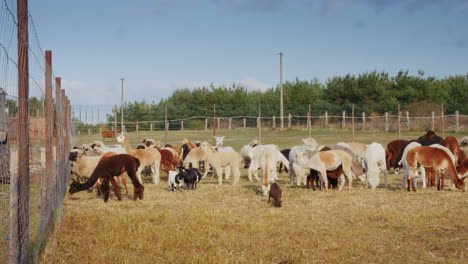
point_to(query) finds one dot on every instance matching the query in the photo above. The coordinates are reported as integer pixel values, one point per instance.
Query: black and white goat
(190, 176)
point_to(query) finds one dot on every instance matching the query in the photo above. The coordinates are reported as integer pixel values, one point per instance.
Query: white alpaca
(99, 145)
(374, 162)
(268, 158)
(148, 157)
(296, 171)
(254, 156)
(221, 160)
(328, 160)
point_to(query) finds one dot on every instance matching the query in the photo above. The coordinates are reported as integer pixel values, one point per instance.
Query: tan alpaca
(328, 160)
(223, 160)
(148, 157)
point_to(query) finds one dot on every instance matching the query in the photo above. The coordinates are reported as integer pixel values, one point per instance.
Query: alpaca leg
(116, 187)
(138, 174)
(385, 176)
(324, 179)
(291, 174)
(250, 171)
(105, 189)
(227, 172)
(124, 181)
(237, 173)
(156, 172)
(423, 176)
(219, 172)
(342, 182)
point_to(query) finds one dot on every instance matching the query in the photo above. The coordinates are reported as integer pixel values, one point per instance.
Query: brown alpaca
(430, 157)
(107, 169)
(393, 153)
(121, 177)
(174, 147)
(275, 193)
(452, 144)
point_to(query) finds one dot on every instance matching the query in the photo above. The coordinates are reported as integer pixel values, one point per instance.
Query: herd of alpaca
(429, 157)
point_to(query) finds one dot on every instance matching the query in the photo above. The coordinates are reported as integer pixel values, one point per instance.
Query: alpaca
(356, 166)
(254, 155)
(285, 153)
(431, 174)
(220, 160)
(328, 160)
(436, 158)
(296, 171)
(194, 157)
(175, 148)
(357, 148)
(99, 145)
(452, 144)
(267, 160)
(332, 176)
(374, 161)
(430, 138)
(107, 169)
(187, 141)
(402, 162)
(275, 193)
(393, 153)
(148, 157)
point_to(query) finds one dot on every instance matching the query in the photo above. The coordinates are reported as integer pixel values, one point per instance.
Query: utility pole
(281, 89)
(122, 107)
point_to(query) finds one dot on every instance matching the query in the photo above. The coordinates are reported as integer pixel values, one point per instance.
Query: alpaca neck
(127, 146)
(90, 182)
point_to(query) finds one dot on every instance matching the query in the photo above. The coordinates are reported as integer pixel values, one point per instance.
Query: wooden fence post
(289, 120)
(399, 122)
(19, 185)
(386, 121)
(309, 125)
(352, 120)
(259, 123)
(206, 124)
(151, 126)
(245, 122)
(363, 121)
(442, 121)
(343, 122)
(274, 121)
(457, 121)
(181, 125)
(136, 125)
(407, 120)
(230, 123)
(433, 120)
(219, 122)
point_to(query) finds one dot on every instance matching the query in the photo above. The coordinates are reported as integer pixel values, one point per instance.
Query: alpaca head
(219, 141)
(121, 138)
(73, 187)
(254, 143)
(206, 146)
(75, 154)
(310, 144)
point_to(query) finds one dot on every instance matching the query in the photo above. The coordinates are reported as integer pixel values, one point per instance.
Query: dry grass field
(234, 224)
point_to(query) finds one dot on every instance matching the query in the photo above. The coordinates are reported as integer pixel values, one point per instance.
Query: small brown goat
(275, 193)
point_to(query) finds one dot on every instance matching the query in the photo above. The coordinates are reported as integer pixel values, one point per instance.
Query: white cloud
(254, 85)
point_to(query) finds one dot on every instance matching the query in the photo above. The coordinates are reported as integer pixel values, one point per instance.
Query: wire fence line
(33, 144)
(87, 122)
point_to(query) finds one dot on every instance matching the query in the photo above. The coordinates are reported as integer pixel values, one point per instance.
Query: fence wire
(27, 219)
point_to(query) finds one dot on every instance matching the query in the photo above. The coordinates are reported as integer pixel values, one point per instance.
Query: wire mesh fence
(33, 173)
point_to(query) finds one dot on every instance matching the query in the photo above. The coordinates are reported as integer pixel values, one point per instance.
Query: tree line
(372, 92)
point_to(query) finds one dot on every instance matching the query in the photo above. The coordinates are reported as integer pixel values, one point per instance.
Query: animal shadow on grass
(254, 188)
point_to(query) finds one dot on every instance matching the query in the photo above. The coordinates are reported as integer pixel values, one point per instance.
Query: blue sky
(161, 45)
